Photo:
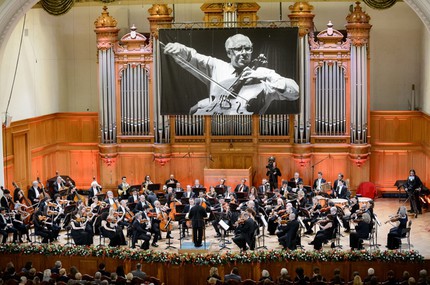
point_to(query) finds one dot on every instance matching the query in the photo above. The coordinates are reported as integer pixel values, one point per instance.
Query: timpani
(322, 200)
(364, 201)
(339, 202)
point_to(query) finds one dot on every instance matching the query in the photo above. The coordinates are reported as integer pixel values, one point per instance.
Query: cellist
(162, 216)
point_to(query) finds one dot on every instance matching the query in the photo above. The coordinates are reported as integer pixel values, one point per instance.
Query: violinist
(184, 223)
(353, 208)
(221, 212)
(289, 238)
(314, 214)
(141, 229)
(79, 232)
(239, 50)
(6, 226)
(328, 228)
(153, 223)
(276, 212)
(244, 233)
(212, 193)
(301, 199)
(362, 230)
(18, 221)
(393, 241)
(121, 219)
(284, 188)
(110, 229)
(140, 206)
(41, 226)
(57, 208)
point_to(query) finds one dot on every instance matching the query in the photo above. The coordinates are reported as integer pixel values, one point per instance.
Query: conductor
(197, 215)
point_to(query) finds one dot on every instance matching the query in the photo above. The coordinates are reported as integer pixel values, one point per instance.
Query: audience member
(370, 274)
(336, 278)
(23, 280)
(63, 276)
(46, 275)
(97, 278)
(138, 272)
(57, 267)
(265, 275)
(120, 271)
(28, 265)
(357, 280)
(234, 275)
(423, 278)
(102, 270)
(72, 272)
(284, 277)
(213, 273)
(411, 281)
(129, 278)
(391, 279)
(316, 275)
(301, 278)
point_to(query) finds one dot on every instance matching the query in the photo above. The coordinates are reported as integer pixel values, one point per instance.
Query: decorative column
(302, 17)
(358, 30)
(230, 15)
(159, 17)
(107, 37)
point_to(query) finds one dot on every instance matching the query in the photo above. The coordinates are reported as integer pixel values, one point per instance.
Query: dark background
(180, 90)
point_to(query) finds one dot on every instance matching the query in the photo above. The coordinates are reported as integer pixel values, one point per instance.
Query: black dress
(115, 235)
(81, 236)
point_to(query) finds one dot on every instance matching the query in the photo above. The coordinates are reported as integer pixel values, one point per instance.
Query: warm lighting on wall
(108, 160)
(162, 160)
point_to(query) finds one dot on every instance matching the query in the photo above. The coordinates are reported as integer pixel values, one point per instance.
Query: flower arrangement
(148, 256)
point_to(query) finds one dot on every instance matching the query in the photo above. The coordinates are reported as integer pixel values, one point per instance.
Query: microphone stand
(316, 163)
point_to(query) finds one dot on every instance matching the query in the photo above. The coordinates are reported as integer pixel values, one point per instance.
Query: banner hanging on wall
(229, 71)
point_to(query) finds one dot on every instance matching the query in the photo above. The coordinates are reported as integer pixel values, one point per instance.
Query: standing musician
(318, 183)
(393, 241)
(81, 234)
(110, 229)
(244, 233)
(336, 182)
(6, 226)
(212, 71)
(197, 215)
(94, 190)
(413, 188)
(289, 239)
(184, 223)
(171, 180)
(35, 193)
(141, 229)
(273, 173)
(242, 187)
(123, 188)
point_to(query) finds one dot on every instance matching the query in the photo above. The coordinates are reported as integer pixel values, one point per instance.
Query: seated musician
(41, 226)
(212, 193)
(81, 234)
(327, 230)
(197, 184)
(276, 213)
(35, 193)
(289, 239)
(58, 185)
(141, 229)
(178, 187)
(239, 50)
(393, 241)
(244, 233)
(301, 197)
(162, 217)
(6, 200)
(221, 213)
(296, 178)
(222, 184)
(111, 230)
(18, 221)
(341, 191)
(353, 208)
(153, 223)
(110, 199)
(264, 187)
(230, 194)
(362, 230)
(134, 197)
(171, 180)
(6, 226)
(140, 206)
(169, 196)
(284, 188)
(189, 193)
(94, 190)
(314, 214)
(242, 187)
(123, 188)
(318, 183)
(124, 218)
(58, 208)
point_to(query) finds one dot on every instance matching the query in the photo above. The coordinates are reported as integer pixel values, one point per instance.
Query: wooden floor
(383, 208)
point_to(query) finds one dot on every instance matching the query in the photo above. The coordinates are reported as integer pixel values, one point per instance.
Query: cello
(238, 97)
(25, 204)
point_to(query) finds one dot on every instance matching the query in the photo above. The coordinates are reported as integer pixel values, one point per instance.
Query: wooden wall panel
(83, 167)
(21, 156)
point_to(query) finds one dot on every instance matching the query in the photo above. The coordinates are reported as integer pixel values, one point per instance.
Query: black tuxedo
(245, 234)
(362, 231)
(315, 185)
(241, 188)
(189, 194)
(5, 203)
(197, 215)
(56, 188)
(341, 192)
(288, 240)
(32, 195)
(140, 231)
(228, 195)
(232, 277)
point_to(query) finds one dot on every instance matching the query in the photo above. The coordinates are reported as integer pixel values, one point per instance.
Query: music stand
(241, 196)
(136, 188)
(400, 184)
(169, 244)
(264, 222)
(292, 184)
(101, 196)
(179, 194)
(179, 217)
(63, 193)
(225, 228)
(185, 201)
(219, 191)
(198, 190)
(173, 185)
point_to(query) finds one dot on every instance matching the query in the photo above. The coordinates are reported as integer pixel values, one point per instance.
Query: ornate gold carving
(247, 14)
(106, 31)
(105, 20)
(302, 17)
(159, 16)
(358, 26)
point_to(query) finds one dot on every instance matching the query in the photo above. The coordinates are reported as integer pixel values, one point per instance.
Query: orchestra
(292, 212)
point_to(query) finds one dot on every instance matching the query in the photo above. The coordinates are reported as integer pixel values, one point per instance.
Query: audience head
(265, 273)
(357, 280)
(212, 281)
(129, 276)
(284, 272)
(411, 281)
(373, 280)
(300, 271)
(406, 275)
(78, 276)
(73, 270)
(370, 271)
(423, 273)
(213, 271)
(235, 270)
(62, 271)
(58, 264)
(97, 275)
(113, 276)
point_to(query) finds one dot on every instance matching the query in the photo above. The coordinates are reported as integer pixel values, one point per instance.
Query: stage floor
(383, 208)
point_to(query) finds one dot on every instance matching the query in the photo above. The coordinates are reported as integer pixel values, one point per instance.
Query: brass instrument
(124, 189)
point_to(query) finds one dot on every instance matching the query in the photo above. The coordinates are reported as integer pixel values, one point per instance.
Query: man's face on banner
(240, 51)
